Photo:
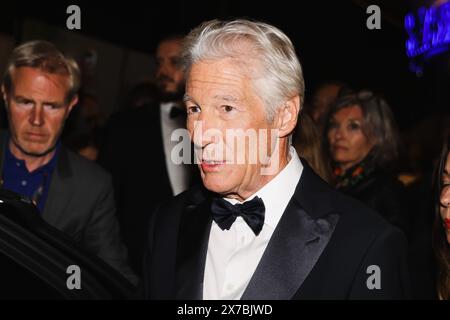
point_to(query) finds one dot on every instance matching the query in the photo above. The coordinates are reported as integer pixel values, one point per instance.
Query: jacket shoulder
(359, 219)
(321, 199)
(84, 169)
(175, 205)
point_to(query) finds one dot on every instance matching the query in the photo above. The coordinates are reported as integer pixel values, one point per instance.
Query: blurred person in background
(142, 94)
(423, 152)
(84, 128)
(137, 150)
(322, 100)
(441, 228)
(362, 141)
(307, 142)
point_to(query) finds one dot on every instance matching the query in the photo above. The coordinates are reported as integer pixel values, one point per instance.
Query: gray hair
(45, 56)
(281, 76)
(378, 125)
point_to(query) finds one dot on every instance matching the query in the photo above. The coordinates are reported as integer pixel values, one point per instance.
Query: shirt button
(24, 183)
(230, 287)
(243, 240)
(18, 164)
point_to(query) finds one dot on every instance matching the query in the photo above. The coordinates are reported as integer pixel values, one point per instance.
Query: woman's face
(445, 198)
(348, 144)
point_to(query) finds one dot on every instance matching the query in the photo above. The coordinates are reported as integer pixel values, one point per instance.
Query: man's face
(169, 75)
(36, 109)
(220, 98)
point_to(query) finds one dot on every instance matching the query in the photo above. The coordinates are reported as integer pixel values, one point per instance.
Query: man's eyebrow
(187, 98)
(22, 98)
(56, 103)
(227, 98)
(355, 119)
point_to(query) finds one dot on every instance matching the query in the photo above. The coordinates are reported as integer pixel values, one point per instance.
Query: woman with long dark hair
(441, 227)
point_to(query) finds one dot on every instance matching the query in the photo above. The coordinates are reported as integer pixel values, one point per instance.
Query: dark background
(331, 38)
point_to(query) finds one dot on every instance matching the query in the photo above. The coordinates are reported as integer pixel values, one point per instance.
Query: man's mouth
(35, 135)
(164, 80)
(211, 165)
(212, 162)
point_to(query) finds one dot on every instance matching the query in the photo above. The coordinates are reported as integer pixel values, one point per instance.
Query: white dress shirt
(178, 173)
(234, 254)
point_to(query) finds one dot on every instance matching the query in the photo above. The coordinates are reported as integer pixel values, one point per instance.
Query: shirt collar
(277, 193)
(10, 158)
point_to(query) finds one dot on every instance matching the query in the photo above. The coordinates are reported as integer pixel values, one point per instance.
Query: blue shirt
(34, 185)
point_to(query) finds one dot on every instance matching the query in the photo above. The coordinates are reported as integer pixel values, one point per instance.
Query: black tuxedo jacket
(133, 152)
(80, 203)
(322, 248)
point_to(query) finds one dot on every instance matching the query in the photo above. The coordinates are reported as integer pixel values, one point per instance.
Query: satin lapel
(297, 242)
(192, 248)
(294, 249)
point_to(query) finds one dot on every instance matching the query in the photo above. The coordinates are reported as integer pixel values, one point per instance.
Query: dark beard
(172, 96)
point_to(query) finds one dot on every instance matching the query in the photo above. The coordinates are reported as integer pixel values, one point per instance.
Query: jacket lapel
(297, 242)
(60, 191)
(192, 248)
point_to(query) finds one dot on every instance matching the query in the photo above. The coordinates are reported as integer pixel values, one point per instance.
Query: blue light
(409, 22)
(429, 34)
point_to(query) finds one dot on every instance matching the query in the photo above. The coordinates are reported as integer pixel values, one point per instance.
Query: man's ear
(288, 116)
(72, 103)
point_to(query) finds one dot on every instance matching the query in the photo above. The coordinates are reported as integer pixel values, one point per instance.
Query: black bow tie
(225, 213)
(176, 112)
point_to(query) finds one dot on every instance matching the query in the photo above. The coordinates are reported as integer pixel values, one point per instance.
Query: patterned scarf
(354, 175)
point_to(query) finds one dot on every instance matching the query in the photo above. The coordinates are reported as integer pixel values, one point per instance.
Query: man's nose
(163, 69)
(206, 130)
(37, 116)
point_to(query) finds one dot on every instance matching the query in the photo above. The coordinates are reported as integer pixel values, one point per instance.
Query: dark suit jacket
(321, 249)
(133, 153)
(80, 203)
(382, 192)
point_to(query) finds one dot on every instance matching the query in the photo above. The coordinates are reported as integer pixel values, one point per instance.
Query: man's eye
(227, 108)
(51, 107)
(193, 109)
(175, 61)
(25, 103)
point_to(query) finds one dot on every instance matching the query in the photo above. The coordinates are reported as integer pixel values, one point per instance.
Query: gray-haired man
(253, 233)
